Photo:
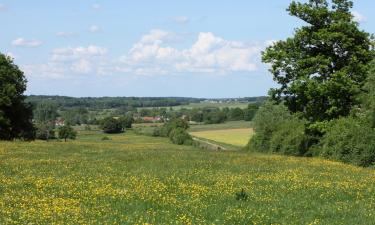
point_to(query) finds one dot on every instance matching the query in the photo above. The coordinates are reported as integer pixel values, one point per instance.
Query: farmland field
(236, 137)
(138, 179)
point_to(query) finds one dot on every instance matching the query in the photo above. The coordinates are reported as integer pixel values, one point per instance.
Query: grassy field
(236, 137)
(138, 179)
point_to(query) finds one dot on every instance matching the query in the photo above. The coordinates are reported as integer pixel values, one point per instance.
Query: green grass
(138, 179)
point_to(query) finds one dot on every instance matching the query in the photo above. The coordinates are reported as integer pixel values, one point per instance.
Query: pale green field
(236, 137)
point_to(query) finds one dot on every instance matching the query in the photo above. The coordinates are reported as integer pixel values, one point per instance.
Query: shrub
(267, 120)
(350, 140)
(45, 131)
(290, 138)
(105, 138)
(180, 136)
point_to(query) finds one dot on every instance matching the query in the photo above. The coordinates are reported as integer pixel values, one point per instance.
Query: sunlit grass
(137, 179)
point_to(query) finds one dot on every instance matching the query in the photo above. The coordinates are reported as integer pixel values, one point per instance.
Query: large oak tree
(324, 65)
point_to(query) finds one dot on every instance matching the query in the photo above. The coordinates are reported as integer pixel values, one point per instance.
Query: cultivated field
(139, 179)
(236, 137)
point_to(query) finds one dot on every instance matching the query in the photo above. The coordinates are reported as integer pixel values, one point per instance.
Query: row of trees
(208, 115)
(325, 103)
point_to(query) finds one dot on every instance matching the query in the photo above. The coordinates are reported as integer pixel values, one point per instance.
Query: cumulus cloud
(155, 54)
(69, 53)
(180, 19)
(358, 17)
(69, 61)
(209, 54)
(21, 42)
(94, 29)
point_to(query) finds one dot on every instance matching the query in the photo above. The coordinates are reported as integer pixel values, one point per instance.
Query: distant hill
(134, 102)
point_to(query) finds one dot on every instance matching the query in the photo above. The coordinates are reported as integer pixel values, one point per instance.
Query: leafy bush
(45, 131)
(267, 120)
(176, 131)
(290, 138)
(179, 136)
(350, 140)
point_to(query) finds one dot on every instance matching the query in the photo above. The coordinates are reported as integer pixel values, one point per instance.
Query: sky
(195, 48)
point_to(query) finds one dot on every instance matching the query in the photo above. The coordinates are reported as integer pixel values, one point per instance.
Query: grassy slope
(138, 179)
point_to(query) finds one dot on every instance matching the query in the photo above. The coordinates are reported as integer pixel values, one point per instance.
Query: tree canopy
(15, 115)
(324, 65)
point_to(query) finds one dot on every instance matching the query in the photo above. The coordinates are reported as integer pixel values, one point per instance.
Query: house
(59, 122)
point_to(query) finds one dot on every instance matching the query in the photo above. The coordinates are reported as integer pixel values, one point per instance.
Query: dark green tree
(15, 114)
(45, 112)
(323, 66)
(67, 132)
(127, 121)
(111, 125)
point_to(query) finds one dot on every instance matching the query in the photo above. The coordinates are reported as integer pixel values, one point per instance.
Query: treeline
(97, 103)
(325, 105)
(207, 115)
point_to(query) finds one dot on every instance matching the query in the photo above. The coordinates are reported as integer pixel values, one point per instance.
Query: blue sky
(148, 48)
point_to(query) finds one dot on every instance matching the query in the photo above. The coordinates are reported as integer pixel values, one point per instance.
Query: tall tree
(323, 66)
(15, 114)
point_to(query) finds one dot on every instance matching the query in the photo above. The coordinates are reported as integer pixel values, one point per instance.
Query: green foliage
(290, 138)
(67, 132)
(111, 125)
(267, 121)
(179, 136)
(45, 131)
(350, 140)
(76, 116)
(45, 112)
(15, 115)
(250, 112)
(126, 121)
(323, 67)
(236, 114)
(176, 131)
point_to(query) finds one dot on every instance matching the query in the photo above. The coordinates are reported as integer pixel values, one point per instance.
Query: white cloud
(65, 34)
(96, 6)
(69, 53)
(209, 54)
(21, 42)
(358, 17)
(82, 66)
(180, 19)
(155, 54)
(94, 29)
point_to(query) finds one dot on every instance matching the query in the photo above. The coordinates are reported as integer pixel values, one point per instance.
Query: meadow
(133, 179)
